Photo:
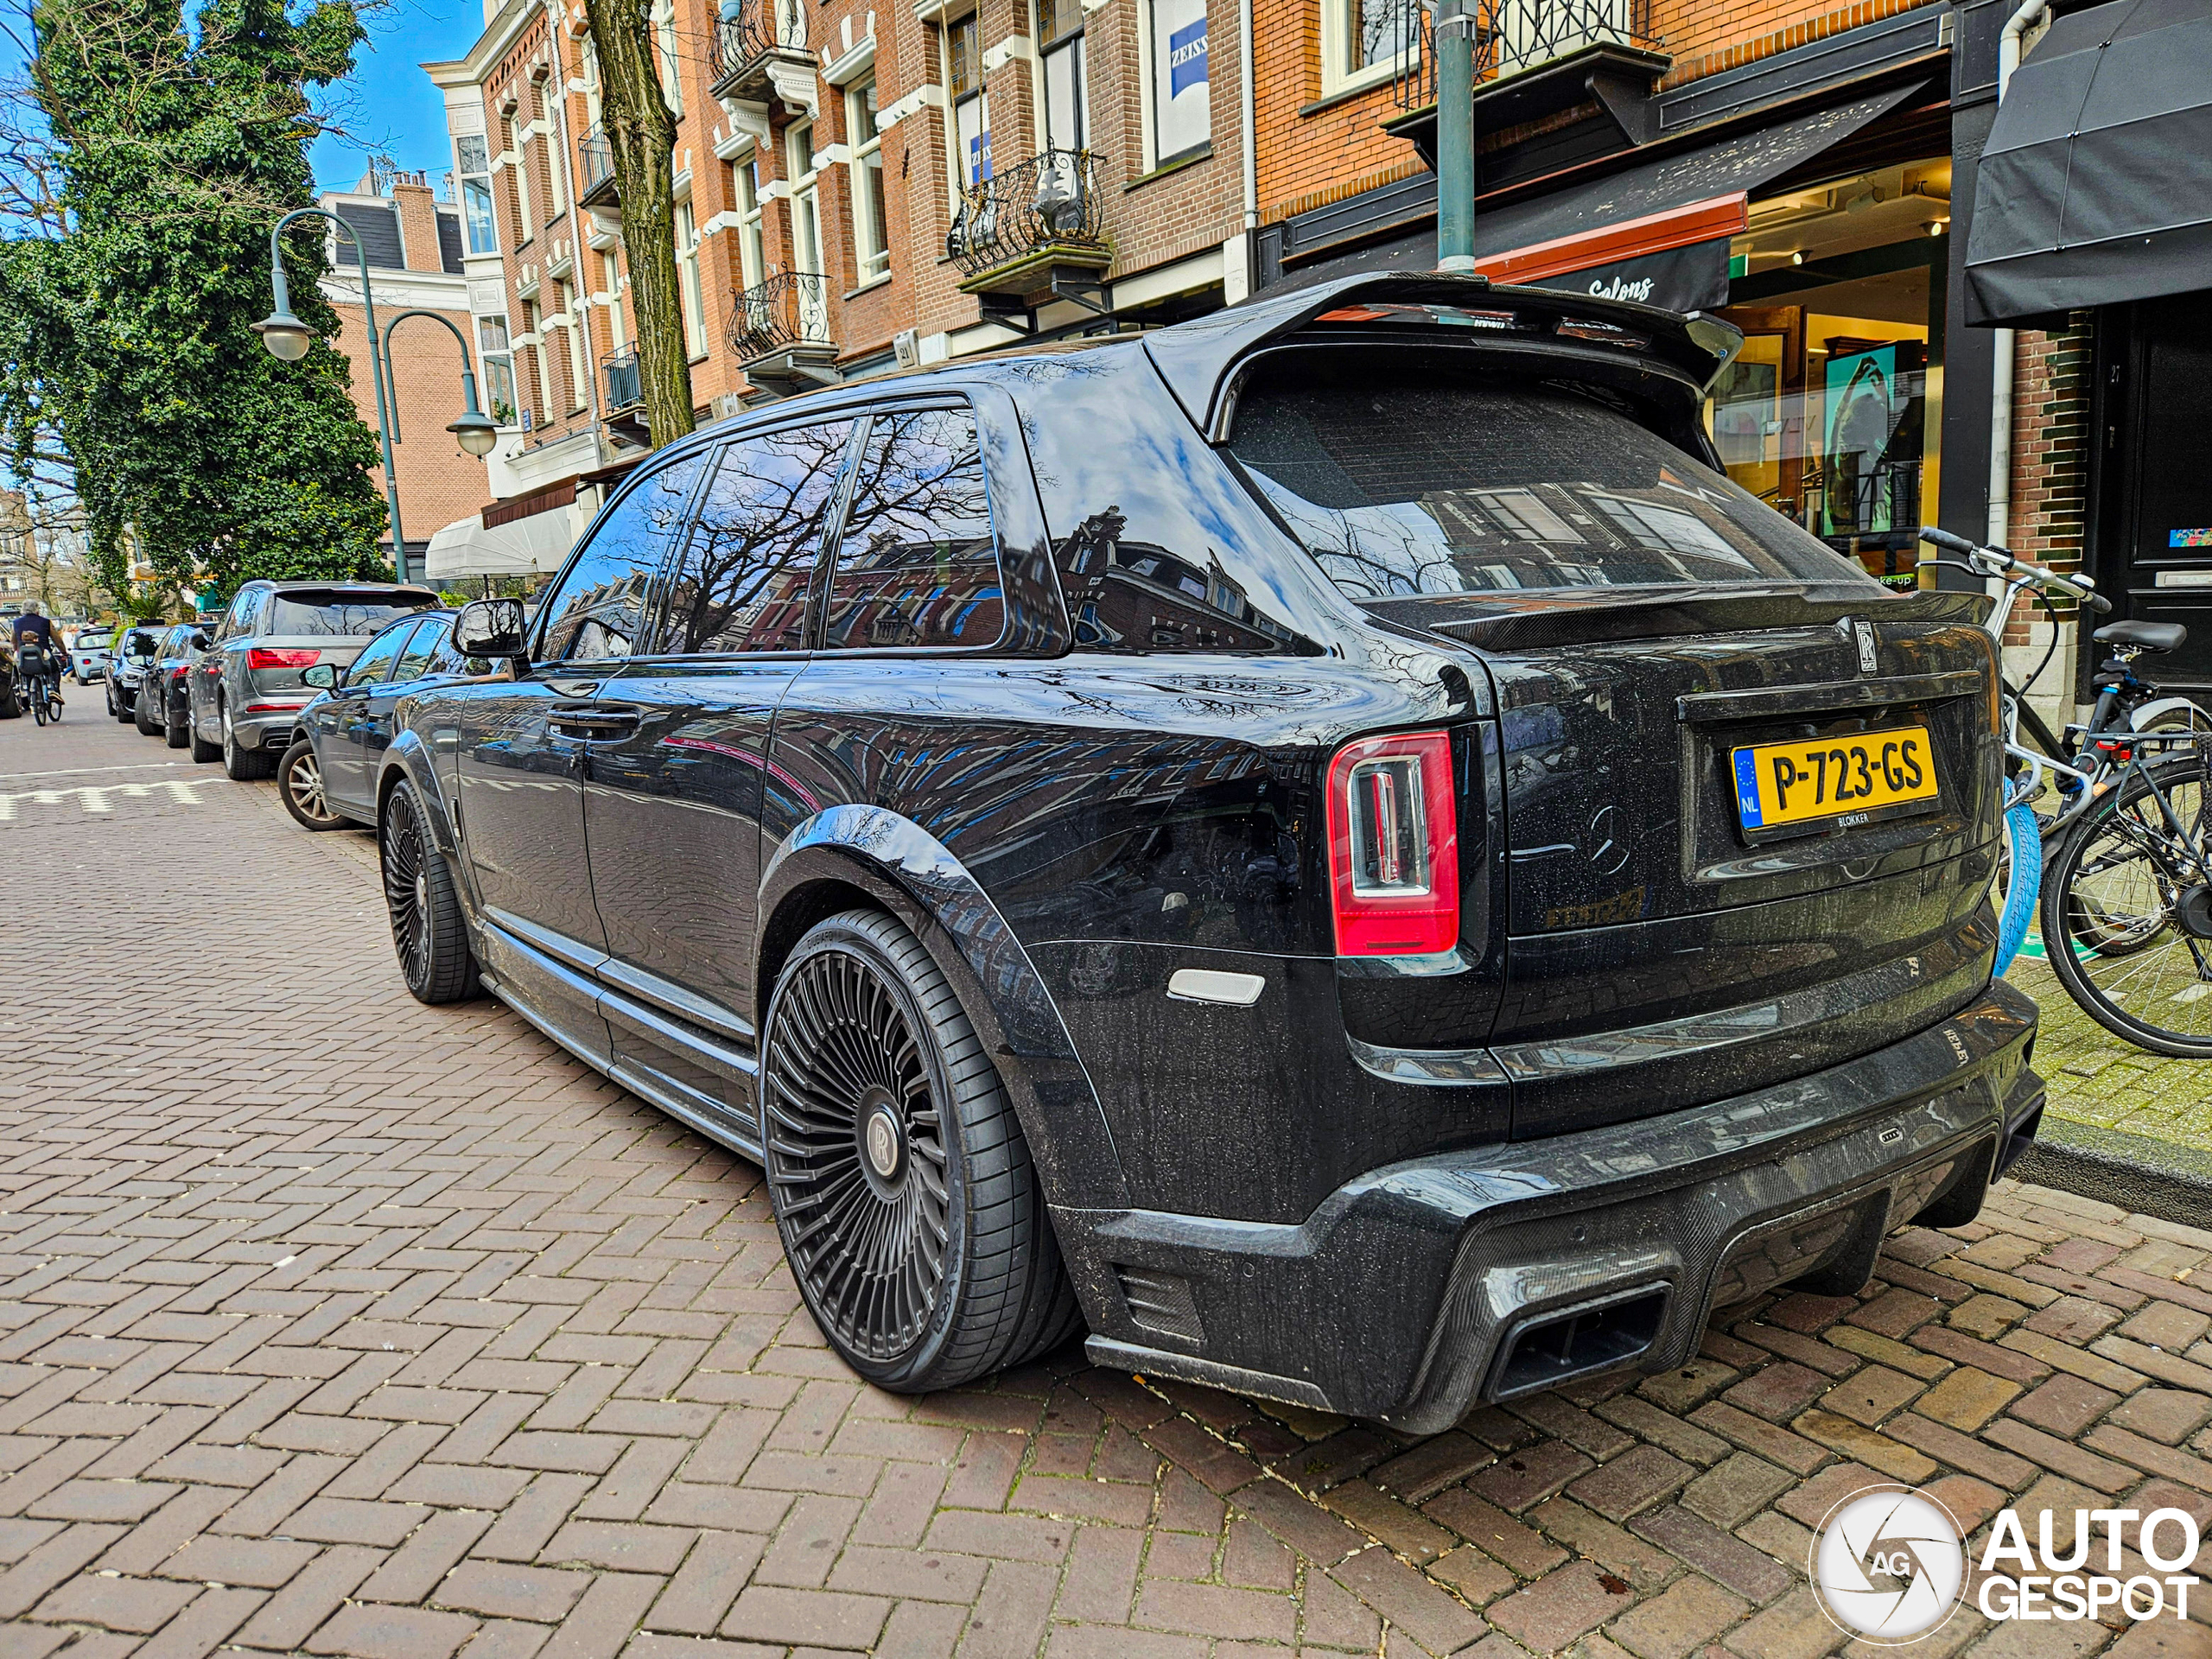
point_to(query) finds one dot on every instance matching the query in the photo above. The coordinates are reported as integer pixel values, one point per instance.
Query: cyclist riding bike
(31, 626)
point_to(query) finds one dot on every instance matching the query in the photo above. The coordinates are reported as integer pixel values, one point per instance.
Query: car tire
(902, 1186)
(203, 752)
(428, 934)
(11, 706)
(299, 780)
(138, 716)
(240, 764)
(177, 733)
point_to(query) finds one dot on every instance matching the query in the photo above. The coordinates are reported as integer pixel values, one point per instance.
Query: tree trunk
(642, 133)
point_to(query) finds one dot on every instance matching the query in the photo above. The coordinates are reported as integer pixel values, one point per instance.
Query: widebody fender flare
(915, 877)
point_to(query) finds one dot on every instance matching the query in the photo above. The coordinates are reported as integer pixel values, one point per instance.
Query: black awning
(2095, 187)
(1736, 164)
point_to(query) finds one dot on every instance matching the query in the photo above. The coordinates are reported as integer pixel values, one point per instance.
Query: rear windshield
(1484, 486)
(335, 613)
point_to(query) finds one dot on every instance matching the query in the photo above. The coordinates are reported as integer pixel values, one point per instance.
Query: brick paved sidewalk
(337, 1324)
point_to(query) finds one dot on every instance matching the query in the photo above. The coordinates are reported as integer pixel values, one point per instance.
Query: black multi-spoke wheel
(428, 933)
(901, 1184)
(299, 780)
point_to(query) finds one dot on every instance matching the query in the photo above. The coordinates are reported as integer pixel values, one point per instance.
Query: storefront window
(1831, 414)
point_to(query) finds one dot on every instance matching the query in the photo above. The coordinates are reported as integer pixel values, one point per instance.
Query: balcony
(1031, 228)
(780, 333)
(623, 395)
(1535, 59)
(595, 185)
(759, 46)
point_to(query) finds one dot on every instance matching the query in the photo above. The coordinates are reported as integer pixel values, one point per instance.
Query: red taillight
(1393, 846)
(279, 657)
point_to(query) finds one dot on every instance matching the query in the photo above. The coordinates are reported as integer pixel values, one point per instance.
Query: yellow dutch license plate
(1839, 780)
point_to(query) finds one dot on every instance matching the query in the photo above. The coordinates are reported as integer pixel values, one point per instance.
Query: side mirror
(201, 642)
(490, 628)
(322, 675)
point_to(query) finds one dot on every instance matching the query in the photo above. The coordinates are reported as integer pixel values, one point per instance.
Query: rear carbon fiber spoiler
(1196, 359)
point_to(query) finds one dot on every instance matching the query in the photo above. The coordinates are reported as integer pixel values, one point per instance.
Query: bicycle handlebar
(1996, 562)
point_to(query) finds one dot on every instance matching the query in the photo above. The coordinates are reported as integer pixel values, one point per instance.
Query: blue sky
(389, 106)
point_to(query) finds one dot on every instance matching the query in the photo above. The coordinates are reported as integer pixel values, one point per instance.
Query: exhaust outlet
(1594, 1336)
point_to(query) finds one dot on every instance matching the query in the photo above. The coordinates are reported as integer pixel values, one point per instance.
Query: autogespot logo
(1889, 1563)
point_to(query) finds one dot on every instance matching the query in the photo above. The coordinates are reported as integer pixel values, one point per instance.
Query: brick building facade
(412, 241)
(863, 184)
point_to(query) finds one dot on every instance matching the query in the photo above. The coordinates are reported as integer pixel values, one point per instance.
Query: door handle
(594, 720)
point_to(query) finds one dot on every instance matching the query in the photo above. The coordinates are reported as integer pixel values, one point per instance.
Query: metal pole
(376, 360)
(1453, 32)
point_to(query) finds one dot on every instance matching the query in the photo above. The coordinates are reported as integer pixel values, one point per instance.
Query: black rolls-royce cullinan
(1327, 844)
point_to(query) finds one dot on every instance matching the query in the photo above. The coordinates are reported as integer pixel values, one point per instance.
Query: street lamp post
(287, 338)
(1453, 30)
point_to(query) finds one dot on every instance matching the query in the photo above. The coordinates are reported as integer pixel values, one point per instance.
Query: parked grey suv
(247, 692)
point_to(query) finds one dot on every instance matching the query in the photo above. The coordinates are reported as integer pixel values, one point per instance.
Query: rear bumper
(270, 729)
(1418, 1289)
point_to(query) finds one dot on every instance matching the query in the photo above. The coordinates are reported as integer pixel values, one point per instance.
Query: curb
(2142, 1176)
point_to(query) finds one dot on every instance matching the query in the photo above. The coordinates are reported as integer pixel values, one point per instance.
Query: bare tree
(641, 132)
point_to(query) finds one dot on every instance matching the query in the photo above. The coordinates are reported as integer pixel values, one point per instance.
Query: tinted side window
(742, 583)
(373, 666)
(918, 565)
(239, 617)
(600, 608)
(422, 645)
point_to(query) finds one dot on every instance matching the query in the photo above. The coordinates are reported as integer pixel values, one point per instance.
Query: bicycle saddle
(2145, 636)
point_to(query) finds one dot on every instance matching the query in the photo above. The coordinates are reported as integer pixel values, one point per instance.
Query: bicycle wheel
(2128, 912)
(38, 705)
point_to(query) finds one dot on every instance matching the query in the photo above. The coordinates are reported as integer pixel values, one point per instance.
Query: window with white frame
(671, 78)
(1182, 112)
(1363, 41)
(541, 391)
(871, 225)
(971, 105)
(611, 275)
(498, 368)
(752, 249)
(1061, 67)
(687, 269)
(557, 199)
(475, 169)
(578, 346)
(518, 171)
(806, 202)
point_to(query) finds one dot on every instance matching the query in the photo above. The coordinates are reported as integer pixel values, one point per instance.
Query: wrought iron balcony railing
(595, 167)
(789, 309)
(749, 36)
(626, 389)
(1510, 36)
(1048, 202)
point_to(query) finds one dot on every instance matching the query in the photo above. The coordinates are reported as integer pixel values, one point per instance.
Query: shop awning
(2095, 186)
(536, 545)
(1657, 232)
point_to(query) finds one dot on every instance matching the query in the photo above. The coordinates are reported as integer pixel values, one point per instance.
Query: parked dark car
(163, 706)
(247, 695)
(1292, 840)
(128, 658)
(327, 777)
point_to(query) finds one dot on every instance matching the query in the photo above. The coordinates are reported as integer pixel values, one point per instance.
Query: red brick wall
(437, 483)
(2050, 449)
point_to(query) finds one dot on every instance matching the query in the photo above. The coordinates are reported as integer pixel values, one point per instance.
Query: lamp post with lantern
(287, 338)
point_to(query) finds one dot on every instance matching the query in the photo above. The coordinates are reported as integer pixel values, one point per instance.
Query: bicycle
(2123, 888)
(39, 673)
